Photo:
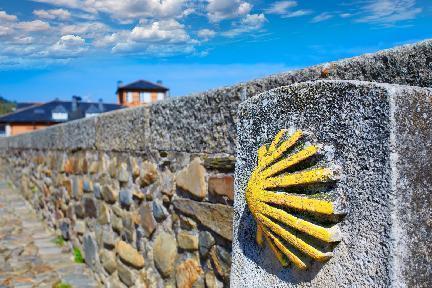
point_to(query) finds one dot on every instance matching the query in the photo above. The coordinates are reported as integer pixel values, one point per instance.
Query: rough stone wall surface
(130, 215)
(372, 129)
(412, 141)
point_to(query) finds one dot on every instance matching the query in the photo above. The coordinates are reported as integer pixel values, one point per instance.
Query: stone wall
(144, 221)
(147, 193)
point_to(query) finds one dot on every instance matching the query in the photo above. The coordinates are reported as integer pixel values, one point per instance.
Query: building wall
(136, 101)
(16, 129)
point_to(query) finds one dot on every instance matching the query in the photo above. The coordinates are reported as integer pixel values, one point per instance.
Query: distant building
(37, 116)
(140, 92)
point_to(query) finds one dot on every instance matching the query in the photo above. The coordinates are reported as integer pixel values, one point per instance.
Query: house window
(129, 97)
(59, 116)
(145, 97)
(87, 115)
(160, 96)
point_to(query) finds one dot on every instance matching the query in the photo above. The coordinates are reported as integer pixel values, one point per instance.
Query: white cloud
(61, 14)
(389, 11)
(284, 8)
(126, 9)
(165, 30)
(33, 26)
(321, 17)
(68, 46)
(206, 34)
(280, 7)
(4, 31)
(86, 29)
(4, 16)
(160, 38)
(249, 23)
(218, 10)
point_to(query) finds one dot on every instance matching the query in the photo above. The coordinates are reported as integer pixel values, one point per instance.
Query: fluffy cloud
(218, 10)
(60, 14)
(126, 9)
(33, 26)
(284, 8)
(389, 11)
(165, 37)
(249, 23)
(4, 16)
(68, 46)
(206, 34)
(86, 29)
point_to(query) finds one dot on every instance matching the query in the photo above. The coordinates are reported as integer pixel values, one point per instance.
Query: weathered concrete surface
(28, 255)
(205, 122)
(382, 140)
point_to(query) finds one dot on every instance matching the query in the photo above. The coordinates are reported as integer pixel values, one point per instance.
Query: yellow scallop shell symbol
(288, 220)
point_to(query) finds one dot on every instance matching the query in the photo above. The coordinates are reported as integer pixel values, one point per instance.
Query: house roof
(42, 113)
(142, 85)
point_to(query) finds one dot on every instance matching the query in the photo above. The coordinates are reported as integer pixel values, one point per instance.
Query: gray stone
(216, 217)
(147, 220)
(109, 194)
(379, 134)
(126, 275)
(90, 250)
(159, 211)
(104, 214)
(87, 186)
(165, 253)
(192, 179)
(80, 227)
(125, 197)
(108, 238)
(122, 173)
(97, 190)
(108, 261)
(90, 207)
(187, 241)
(221, 260)
(206, 242)
(65, 229)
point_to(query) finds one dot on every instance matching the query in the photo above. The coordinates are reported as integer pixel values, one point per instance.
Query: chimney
(159, 82)
(101, 105)
(75, 100)
(119, 84)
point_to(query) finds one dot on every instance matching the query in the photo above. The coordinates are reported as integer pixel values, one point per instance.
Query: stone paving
(29, 256)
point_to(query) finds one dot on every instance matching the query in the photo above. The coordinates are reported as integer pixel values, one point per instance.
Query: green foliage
(6, 106)
(59, 241)
(77, 255)
(62, 285)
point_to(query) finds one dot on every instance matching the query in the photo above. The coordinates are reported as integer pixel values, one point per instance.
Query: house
(38, 116)
(140, 92)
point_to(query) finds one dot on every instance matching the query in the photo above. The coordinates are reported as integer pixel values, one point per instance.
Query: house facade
(40, 116)
(141, 92)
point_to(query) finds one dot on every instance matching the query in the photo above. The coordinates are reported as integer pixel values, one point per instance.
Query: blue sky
(59, 48)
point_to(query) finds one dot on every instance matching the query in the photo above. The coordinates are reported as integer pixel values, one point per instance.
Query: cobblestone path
(29, 256)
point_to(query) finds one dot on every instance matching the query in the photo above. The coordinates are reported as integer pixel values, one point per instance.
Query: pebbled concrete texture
(385, 242)
(412, 171)
(205, 122)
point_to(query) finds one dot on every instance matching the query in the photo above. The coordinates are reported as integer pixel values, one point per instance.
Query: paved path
(28, 255)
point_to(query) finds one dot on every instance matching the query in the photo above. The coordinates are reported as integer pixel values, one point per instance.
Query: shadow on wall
(265, 258)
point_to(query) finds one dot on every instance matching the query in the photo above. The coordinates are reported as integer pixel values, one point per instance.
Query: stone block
(165, 253)
(129, 255)
(379, 136)
(192, 179)
(216, 217)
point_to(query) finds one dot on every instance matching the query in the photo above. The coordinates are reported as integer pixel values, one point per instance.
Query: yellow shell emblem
(282, 217)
